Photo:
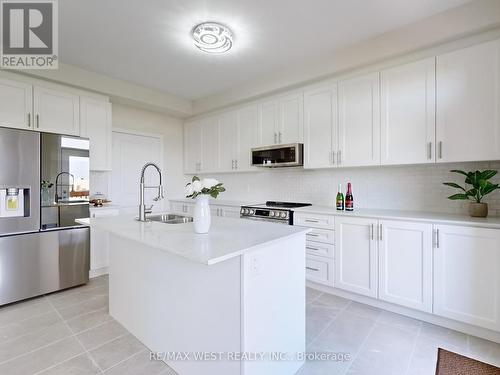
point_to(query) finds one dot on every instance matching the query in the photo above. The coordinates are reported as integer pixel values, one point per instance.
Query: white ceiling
(148, 42)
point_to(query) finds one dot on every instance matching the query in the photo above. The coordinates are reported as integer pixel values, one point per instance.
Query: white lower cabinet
(319, 246)
(466, 275)
(405, 263)
(356, 255)
(99, 243)
(319, 269)
(181, 207)
(225, 211)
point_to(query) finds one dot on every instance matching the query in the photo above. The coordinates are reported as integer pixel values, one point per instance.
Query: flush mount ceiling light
(212, 37)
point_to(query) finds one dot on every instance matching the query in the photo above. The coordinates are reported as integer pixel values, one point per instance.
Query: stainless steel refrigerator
(42, 249)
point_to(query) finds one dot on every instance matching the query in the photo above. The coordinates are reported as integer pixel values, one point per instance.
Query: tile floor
(380, 342)
(71, 333)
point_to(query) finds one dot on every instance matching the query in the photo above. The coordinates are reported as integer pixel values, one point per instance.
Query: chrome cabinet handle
(312, 234)
(275, 137)
(333, 157)
(339, 154)
(312, 248)
(311, 221)
(312, 269)
(440, 149)
(371, 231)
(437, 238)
(29, 120)
(279, 137)
(380, 232)
(429, 151)
(37, 121)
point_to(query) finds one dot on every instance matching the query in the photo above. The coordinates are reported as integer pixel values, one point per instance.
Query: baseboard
(98, 272)
(426, 317)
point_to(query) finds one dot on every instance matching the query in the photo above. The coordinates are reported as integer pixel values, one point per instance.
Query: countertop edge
(419, 216)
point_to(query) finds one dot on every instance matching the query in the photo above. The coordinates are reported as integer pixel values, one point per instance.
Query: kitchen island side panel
(274, 306)
(172, 304)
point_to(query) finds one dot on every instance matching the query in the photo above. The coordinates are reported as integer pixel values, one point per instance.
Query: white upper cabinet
(56, 111)
(238, 133)
(247, 136)
(320, 127)
(269, 123)
(359, 121)
(192, 147)
(356, 263)
(209, 144)
(15, 104)
(466, 277)
(408, 113)
(95, 124)
(468, 104)
(201, 142)
(282, 120)
(227, 141)
(291, 119)
(405, 263)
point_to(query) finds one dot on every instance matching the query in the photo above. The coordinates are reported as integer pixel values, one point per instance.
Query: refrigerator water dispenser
(14, 202)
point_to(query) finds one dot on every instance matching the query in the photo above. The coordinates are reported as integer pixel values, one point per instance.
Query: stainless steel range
(272, 211)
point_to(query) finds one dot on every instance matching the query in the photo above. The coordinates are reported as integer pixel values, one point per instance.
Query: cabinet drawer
(319, 270)
(321, 235)
(320, 249)
(313, 220)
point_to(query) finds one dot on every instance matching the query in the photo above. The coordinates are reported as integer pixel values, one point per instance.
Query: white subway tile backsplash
(394, 187)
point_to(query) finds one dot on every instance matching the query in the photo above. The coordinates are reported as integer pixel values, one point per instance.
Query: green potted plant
(479, 188)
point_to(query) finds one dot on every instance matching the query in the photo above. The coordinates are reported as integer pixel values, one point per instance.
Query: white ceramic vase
(201, 215)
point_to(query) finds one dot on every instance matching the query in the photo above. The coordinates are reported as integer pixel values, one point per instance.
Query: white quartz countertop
(435, 217)
(227, 238)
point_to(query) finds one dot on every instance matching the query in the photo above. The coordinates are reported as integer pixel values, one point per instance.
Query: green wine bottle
(340, 199)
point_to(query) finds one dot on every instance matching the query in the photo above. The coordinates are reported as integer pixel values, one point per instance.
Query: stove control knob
(245, 211)
(283, 215)
(252, 212)
(271, 213)
(242, 211)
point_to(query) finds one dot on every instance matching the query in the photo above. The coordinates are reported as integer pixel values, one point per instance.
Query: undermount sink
(170, 219)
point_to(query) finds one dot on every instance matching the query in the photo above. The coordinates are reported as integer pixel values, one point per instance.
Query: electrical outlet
(255, 266)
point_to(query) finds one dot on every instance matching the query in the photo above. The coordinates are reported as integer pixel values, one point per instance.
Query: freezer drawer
(39, 263)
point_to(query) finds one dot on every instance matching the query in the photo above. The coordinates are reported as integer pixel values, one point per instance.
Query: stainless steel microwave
(289, 155)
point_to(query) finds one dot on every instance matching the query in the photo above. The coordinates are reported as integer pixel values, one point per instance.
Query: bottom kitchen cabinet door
(356, 255)
(467, 275)
(319, 269)
(405, 264)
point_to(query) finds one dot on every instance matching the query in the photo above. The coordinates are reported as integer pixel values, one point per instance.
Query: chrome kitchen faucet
(142, 208)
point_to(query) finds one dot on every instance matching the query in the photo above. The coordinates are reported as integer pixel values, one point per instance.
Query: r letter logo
(28, 34)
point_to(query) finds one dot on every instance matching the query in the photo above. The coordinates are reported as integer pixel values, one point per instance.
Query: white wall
(132, 118)
(456, 27)
(399, 187)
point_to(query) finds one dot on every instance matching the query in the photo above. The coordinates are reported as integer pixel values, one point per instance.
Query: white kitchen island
(234, 296)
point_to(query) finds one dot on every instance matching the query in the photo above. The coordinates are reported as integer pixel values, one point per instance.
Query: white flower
(189, 190)
(197, 186)
(209, 182)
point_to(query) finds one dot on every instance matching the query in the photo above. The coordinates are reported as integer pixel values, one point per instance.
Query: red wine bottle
(349, 200)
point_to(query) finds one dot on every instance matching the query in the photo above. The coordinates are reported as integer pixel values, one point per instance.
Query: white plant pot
(201, 215)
